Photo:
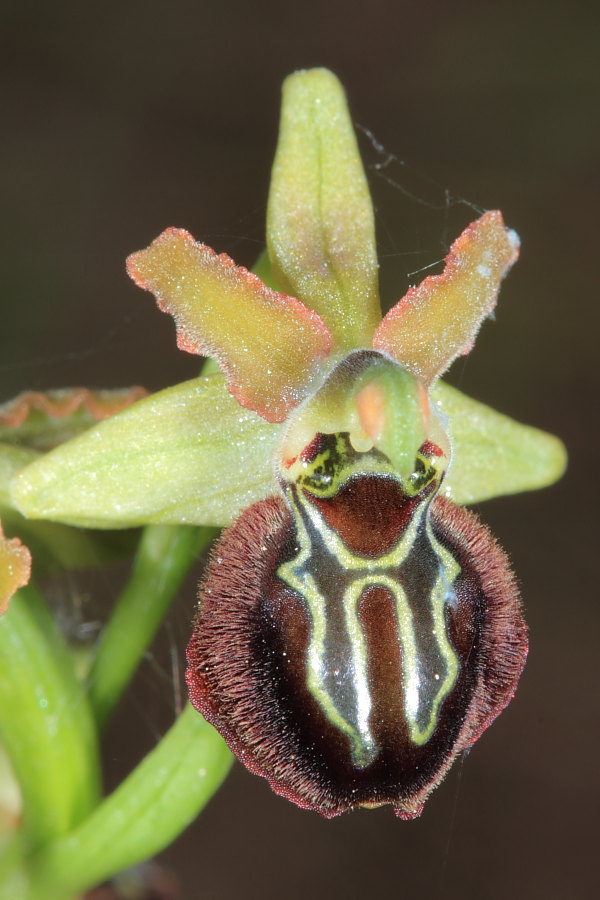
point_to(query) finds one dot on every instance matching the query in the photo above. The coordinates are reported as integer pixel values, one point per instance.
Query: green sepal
(492, 454)
(12, 460)
(54, 547)
(320, 229)
(186, 455)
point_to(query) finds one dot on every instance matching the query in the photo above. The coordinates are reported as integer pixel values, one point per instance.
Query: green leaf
(320, 229)
(491, 453)
(186, 455)
(144, 814)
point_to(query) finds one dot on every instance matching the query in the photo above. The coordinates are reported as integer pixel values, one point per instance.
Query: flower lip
(246, 668)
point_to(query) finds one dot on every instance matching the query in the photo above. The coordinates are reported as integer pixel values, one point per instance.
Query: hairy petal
(15, 568)
(268, 345)
(186, 455)
(320, 230)
(491, 453)
(438, 320)
(289, 703)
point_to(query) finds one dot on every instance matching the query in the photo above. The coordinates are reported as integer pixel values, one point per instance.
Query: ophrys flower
(356, 628)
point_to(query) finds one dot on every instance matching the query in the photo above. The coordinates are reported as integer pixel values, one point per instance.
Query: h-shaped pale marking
(371, 572)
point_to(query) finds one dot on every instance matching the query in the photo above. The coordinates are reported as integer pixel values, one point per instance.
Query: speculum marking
(418, 573)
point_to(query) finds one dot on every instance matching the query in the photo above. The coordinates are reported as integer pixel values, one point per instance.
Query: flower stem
(45, 722)
(143, 815)
(164, 556)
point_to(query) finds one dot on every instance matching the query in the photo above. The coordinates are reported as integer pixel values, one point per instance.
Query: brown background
(119, 119)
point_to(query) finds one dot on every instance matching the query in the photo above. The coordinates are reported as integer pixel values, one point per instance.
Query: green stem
(142, 816)
(45, 722)
(13, 874)
(164, 557)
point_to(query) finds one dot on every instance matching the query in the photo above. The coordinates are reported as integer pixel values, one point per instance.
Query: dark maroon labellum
(348, 646)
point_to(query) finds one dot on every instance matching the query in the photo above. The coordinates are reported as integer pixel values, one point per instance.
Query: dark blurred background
(119, 119)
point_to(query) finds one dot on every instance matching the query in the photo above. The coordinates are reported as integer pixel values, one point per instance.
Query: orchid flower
(357, 627)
